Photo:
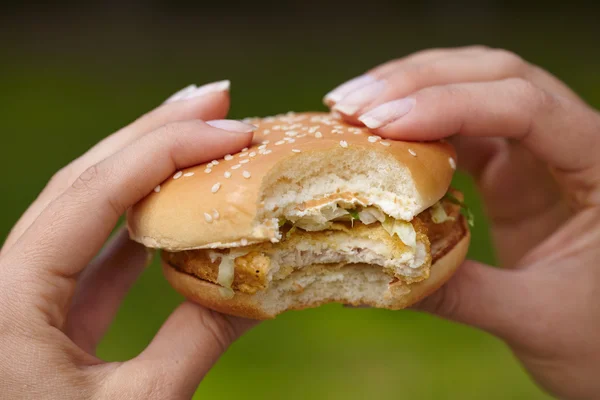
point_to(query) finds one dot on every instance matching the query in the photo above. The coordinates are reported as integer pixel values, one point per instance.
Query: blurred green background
(74, 72)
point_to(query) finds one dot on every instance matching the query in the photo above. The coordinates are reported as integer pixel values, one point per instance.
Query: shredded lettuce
(466, 211)
(226, 274)
(404, 230)
(291, 231)
(354, 214)
(438, 214)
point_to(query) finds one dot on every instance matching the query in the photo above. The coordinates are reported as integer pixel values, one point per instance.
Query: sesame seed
(207, 171)
(290, 140)
(188, 174)
(178, 175)
(236, 166)
(215, 215)
(373, 139)
(251, 155)
(304, 128)
(244, 161)
(262, 146)
(266, 141)
(452, 163)
(384, 143)
(157, 189)
(279, 142)
(343, 143)
(412, 152)
(291, 133)
(277, 127)
(338, 131)
(246, 174)
(208, 217)
(296, 150)
(215, 187)
(228, 157)
(301, 136)
(245, 149)
(227, 174)
(244, 242)
(214, 162)
(266, 131)
(244, 154)
(274, 240)
(261, 151)
(318, 135)
(268, 152)
(338, 127)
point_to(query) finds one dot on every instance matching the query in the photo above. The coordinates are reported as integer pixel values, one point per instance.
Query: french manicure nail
(232, 125)
(359, 98)
(387, 112)
(192, 91)
(341, 91)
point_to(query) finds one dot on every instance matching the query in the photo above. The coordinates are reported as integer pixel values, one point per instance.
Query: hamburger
(315, 211)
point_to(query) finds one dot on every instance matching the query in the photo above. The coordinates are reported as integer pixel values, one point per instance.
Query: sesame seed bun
(360, 284)
(295, 163)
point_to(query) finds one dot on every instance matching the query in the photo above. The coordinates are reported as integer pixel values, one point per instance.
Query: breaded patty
(344, 243)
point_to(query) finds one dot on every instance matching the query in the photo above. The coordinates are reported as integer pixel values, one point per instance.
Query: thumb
(186, 347)
(481, 296)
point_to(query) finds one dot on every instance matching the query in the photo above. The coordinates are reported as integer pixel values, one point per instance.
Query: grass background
(75, 72)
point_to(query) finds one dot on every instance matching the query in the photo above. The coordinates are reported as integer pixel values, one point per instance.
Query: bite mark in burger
(321, 212)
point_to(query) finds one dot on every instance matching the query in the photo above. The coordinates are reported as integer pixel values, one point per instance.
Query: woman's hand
(58, 298)
(533, 146)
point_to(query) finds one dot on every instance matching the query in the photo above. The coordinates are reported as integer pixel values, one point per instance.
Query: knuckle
(510, 62)
(88, 179)
(219, 328)
(532, 96)
(477, 48)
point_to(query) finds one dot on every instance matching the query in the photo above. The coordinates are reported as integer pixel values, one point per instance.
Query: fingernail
(232, 125)
(359, 98)
(192, 91)
(341, 91)
(387, 112)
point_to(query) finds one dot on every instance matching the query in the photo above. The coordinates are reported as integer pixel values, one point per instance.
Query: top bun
(296, 163)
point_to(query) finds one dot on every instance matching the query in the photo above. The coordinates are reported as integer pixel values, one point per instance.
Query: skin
(61, 287)
(532, 146)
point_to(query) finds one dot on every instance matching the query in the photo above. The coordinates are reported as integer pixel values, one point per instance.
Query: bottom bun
(310, 287)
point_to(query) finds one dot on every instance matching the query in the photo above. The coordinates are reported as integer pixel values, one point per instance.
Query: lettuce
(466, 211)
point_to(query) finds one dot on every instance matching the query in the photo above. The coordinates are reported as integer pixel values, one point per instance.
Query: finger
(384, 69)
(475, 153)
(101, 288)
(187, 346)
(487, 298)
(210, 101)
(73, 228)
(425, 56)
(459, 67)
(513, 109)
